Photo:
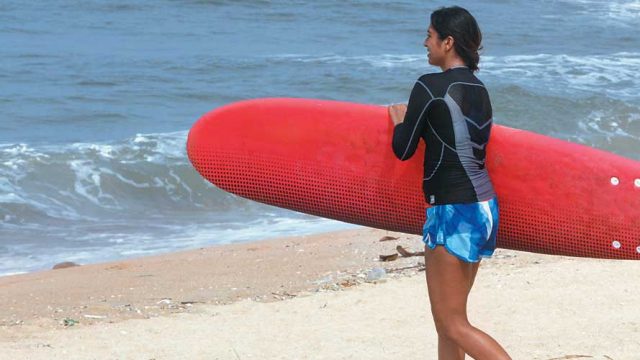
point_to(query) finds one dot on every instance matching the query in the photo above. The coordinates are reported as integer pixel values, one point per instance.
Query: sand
(309, 297)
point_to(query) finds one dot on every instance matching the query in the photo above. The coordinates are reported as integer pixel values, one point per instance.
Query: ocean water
(96, 99)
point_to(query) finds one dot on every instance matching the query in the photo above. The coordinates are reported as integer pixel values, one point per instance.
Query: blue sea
(97, 97)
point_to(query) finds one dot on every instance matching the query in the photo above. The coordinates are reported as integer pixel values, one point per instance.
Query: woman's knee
(452, 328)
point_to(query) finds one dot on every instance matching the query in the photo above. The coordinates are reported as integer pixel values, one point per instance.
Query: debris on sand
(391, 257)
(69, 322)
(64, 265)
(375, 274)
(388, 238)
(402, 251)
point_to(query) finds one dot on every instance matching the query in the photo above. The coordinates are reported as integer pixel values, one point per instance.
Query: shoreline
(166, 251)
(237, 296)
(74, 291)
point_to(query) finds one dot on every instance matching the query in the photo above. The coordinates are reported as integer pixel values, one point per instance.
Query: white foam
(127, 181)
(87, 164)
(382, 60)
(103, 150)
(626, 12)
(159, 148)
(21, 150)
(14, 164)
(260, 229)
(117, 246)
(87, 184)
(10, 197)
(12, 273)
(600, 122)
(154, 147)
(616, 74)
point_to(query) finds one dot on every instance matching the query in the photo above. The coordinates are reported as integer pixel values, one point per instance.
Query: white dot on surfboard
(615, 181)
(637, 183)
(638, 249)
(616, 244)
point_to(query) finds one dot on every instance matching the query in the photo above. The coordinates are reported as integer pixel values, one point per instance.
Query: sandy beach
(314, 297)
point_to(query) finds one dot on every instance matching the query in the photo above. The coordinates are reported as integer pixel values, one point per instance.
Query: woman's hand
(397, 112)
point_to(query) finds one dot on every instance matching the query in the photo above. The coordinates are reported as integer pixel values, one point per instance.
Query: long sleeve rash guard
(452, 112)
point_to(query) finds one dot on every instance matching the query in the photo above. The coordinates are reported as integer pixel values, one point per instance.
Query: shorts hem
(486, 256)
(450, 251)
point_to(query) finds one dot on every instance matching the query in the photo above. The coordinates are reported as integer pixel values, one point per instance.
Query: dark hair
(458, 23)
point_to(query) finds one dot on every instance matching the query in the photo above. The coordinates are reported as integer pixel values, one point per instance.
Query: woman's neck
(452, 63)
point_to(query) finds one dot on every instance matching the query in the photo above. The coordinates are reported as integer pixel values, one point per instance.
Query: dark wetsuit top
(452, 112)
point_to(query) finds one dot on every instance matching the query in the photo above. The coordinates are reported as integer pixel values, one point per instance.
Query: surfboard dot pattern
(333, 159)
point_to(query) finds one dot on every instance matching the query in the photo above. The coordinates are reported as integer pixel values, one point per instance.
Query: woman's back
(452, 112)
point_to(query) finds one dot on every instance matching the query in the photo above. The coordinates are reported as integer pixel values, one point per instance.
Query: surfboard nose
(327, 158)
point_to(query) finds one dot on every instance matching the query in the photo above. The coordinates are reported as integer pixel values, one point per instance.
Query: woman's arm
(409, 121)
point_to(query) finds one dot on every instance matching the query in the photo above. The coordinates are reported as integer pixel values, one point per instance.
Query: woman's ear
(448, 43)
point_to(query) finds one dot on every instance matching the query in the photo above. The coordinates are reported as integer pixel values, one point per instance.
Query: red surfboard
(334, 159)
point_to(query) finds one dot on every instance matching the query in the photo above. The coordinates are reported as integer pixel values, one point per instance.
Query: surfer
(452, 112)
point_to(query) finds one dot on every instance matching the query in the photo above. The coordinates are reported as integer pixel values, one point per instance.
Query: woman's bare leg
(448, 349)
(449, 281)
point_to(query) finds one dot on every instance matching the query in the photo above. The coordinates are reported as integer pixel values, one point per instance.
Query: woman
(452, 112)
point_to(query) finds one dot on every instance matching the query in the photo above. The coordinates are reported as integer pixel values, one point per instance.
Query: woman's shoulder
(436, 83)
(428, 77)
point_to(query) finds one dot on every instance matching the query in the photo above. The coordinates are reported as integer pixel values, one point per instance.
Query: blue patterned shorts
(467, 231)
